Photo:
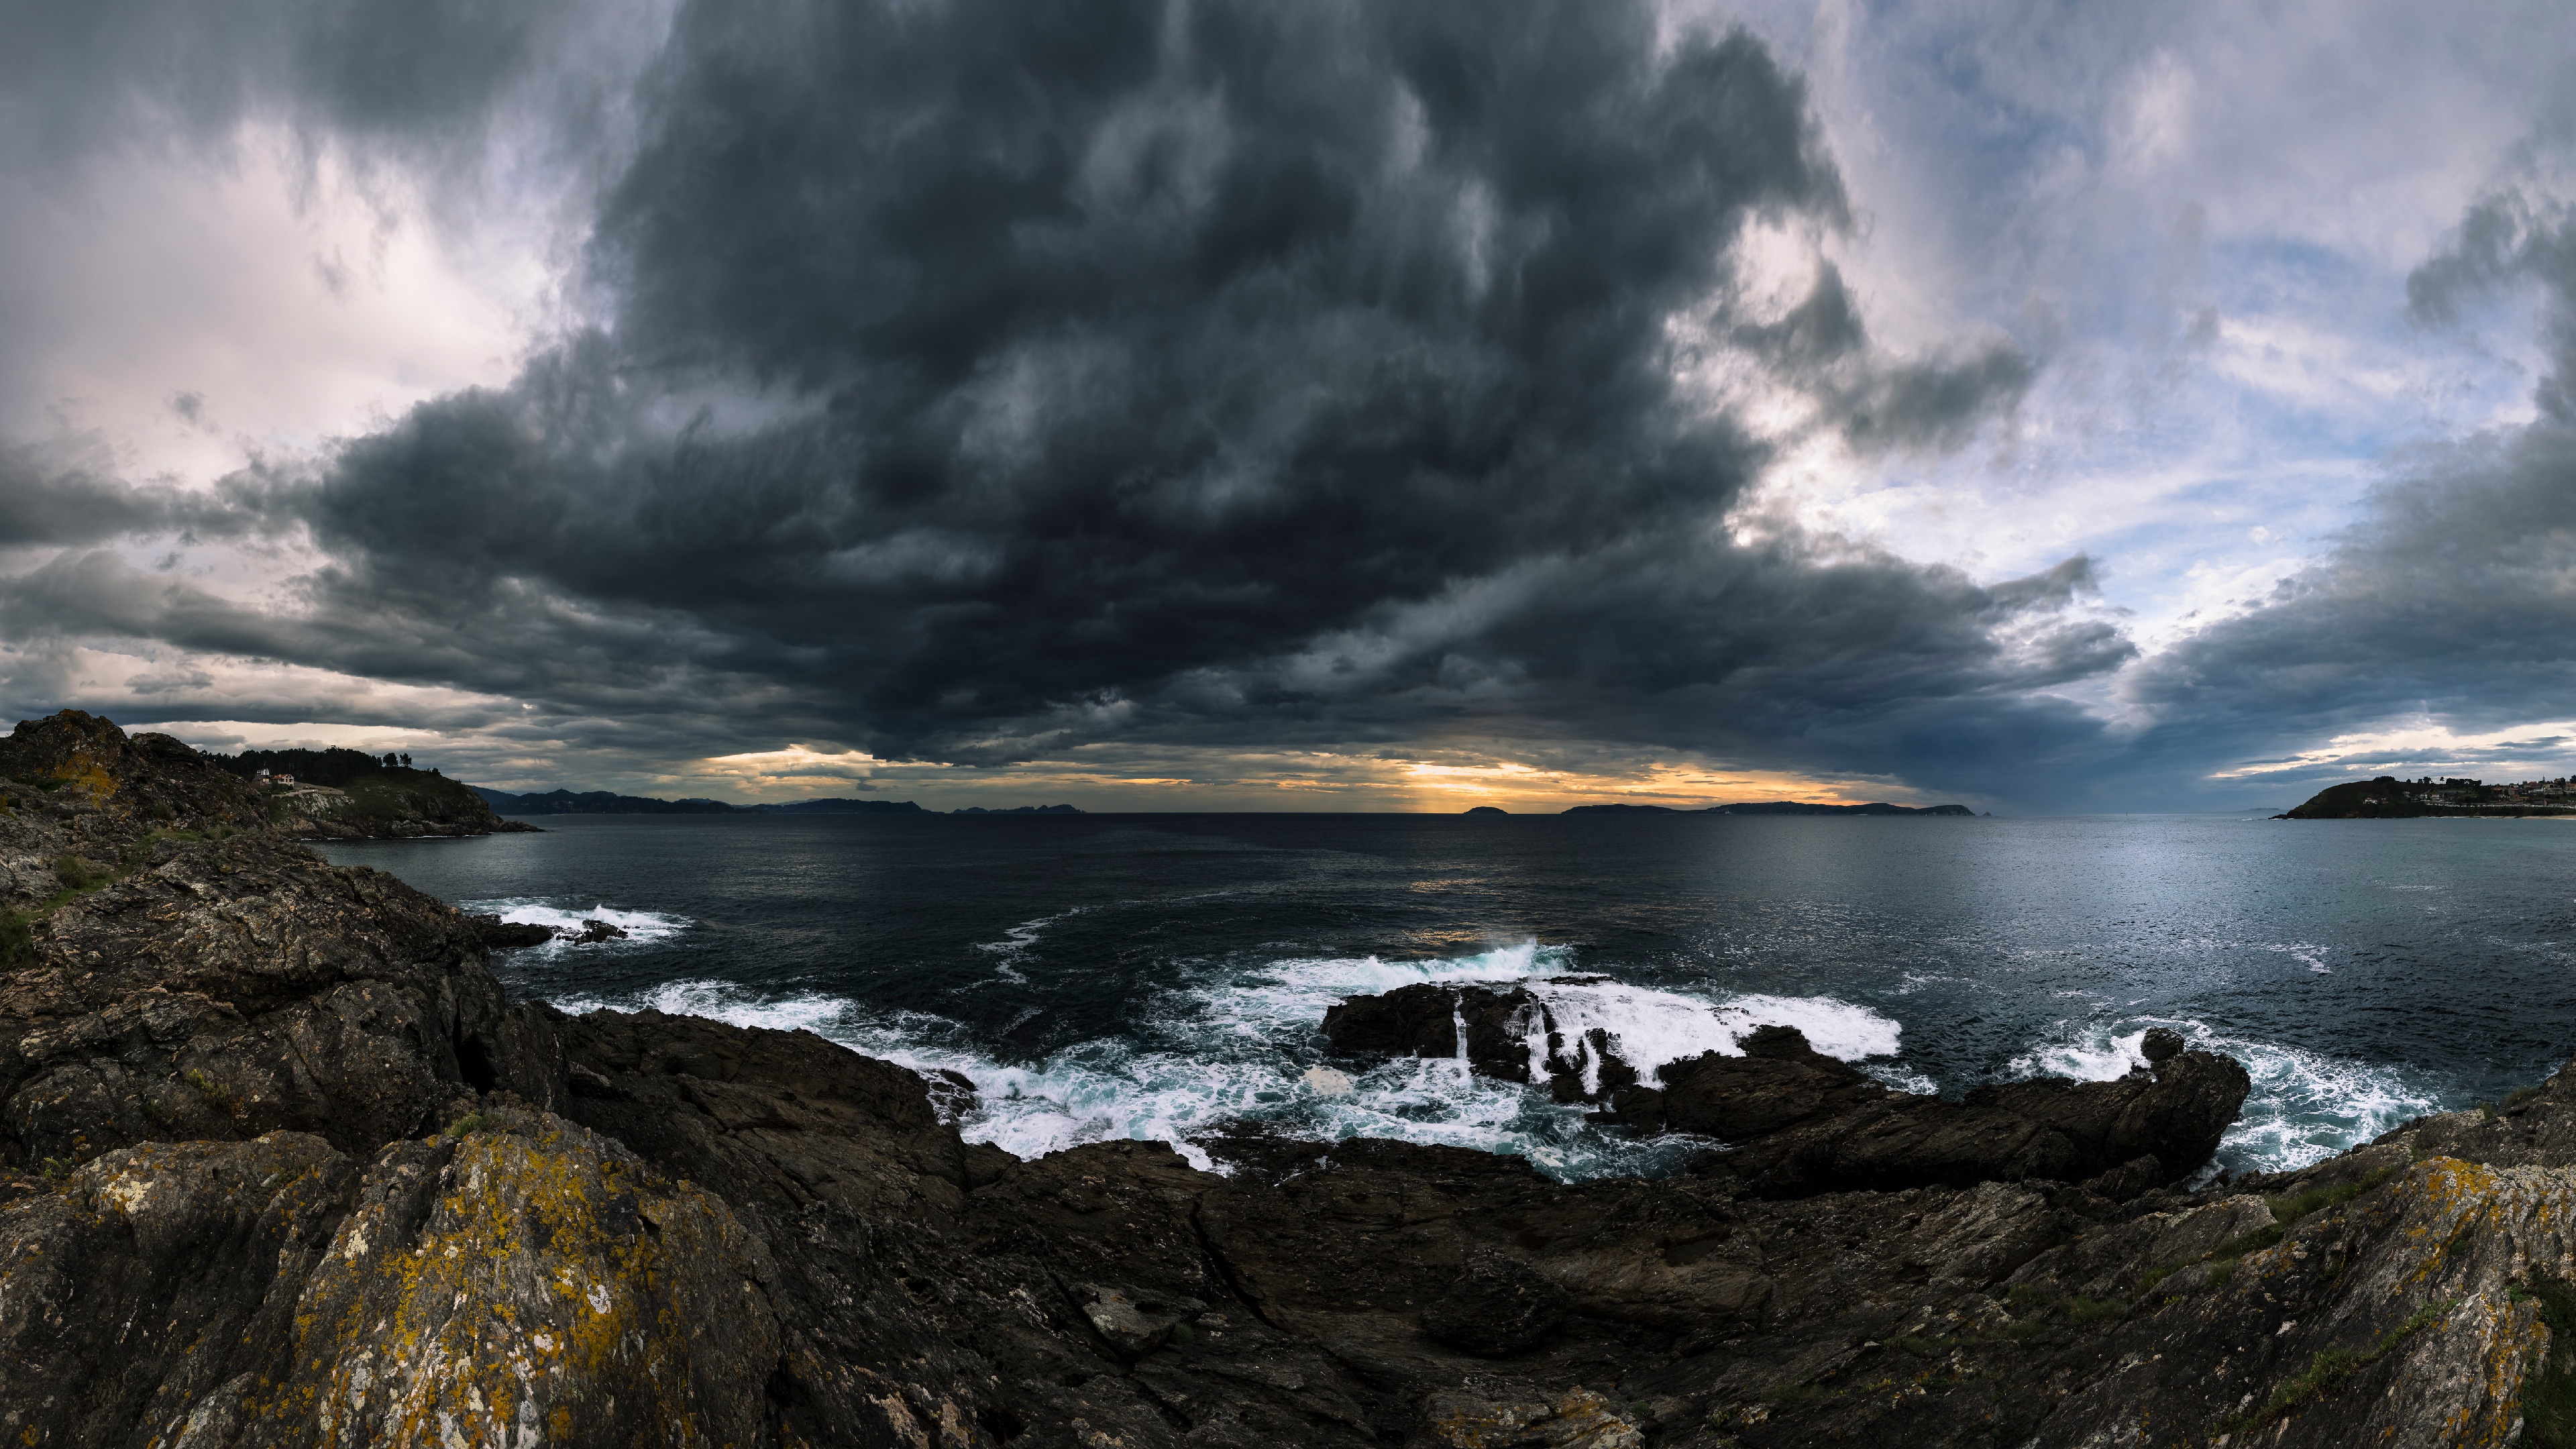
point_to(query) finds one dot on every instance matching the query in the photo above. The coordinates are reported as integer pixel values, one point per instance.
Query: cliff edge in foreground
(279, 1165)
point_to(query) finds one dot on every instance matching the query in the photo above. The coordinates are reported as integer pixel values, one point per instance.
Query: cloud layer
(1140, 387)
(981, 382)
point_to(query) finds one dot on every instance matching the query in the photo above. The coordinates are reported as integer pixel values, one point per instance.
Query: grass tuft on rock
(2331, 1367)
(2549, 1390)
(2291, 1207)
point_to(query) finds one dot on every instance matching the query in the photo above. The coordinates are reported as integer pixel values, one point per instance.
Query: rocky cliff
(393, 804)
(279, 1165)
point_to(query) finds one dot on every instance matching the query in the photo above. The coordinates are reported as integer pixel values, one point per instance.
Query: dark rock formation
(1798, 1122)
(279, 1167)
(1495, 1307)
(1509, 1032)
(501, 935)
(1802, 1123)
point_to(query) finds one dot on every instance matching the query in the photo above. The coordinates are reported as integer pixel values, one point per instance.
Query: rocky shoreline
(279, 1164)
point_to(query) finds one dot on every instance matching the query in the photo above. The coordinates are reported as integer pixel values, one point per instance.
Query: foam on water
(642, 928)
(2302, 1108)
(1239, 1045)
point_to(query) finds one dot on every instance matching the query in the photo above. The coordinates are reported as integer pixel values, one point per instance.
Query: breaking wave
(642, 928)
(2303, 1107)
(1239, 1047)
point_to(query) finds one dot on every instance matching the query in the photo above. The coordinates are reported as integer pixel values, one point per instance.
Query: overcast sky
(2050, 407)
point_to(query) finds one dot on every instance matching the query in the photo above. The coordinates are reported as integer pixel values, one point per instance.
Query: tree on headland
(337, 768)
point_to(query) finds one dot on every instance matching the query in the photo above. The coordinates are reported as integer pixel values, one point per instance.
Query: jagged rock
(1798, 1122)
(1137, 1323)
(1510, 1034)
(522, 1279)
(1778, 1084)
(2161, 1042)
(1801, 1123)
(593, 932)
(1577, 1420)
(1496, 1307)
(216, 981)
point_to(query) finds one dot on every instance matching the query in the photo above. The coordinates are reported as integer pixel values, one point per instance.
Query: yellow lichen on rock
(528, 1286)
(1579, 1419)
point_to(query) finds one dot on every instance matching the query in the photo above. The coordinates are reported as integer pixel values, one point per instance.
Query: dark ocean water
(1155, 975)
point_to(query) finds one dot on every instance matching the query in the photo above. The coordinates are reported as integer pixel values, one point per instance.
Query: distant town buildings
(2471, 794)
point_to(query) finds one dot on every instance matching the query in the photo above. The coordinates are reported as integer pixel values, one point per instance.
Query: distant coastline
(1775, 807)
(605, 802)
(2389, 798)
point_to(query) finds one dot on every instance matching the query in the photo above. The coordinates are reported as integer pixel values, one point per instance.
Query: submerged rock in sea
(279, 1165)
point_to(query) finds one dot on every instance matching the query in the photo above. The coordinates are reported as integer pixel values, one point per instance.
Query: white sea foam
(641, 927)
(1241, 1044)
(1014, 947)
(2303, 1106)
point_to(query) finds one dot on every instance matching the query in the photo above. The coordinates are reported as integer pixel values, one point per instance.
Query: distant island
(1019, 810)
(604, 802)
(1775, 807)
(2389, 798)
(1486, 810)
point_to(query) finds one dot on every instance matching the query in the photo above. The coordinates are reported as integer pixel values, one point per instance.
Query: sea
(1163, 976)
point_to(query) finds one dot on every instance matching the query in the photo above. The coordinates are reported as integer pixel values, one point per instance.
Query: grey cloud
(1875, 403)
(987, 379)
(68, 492)
(2449, 601)
(47, 497)
(79, 78)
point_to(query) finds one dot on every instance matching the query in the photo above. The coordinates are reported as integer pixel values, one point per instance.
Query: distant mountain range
(1775, 807)
(603, 802)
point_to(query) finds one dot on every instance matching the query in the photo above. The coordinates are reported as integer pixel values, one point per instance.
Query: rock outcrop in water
(1798, 1122)
(279, 1166)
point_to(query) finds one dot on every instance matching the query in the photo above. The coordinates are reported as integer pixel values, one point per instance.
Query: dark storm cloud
(2451, 601)
(984, 379)
(46, 498)
(67, 492)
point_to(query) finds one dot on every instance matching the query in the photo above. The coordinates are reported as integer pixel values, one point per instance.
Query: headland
(2389, 798)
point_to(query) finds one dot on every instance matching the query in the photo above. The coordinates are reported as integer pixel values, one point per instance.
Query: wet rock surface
(399, 1210)
(1797, 1122)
